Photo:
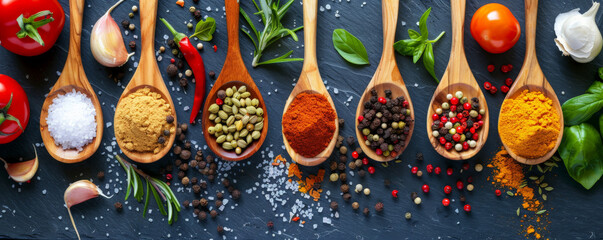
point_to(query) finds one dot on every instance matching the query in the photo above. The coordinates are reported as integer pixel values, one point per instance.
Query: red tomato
(495, 28)
(14, 115)
(43, 21)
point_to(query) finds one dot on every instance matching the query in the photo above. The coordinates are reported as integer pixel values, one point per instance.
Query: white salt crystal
(72, 120)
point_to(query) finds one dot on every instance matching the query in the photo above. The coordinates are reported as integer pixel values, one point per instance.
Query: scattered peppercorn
(218, 203)
(467, 208)
(236, 194)
(183, 82)
(419, 173)
(196, 188)
(270, 224)
(419, 156)
(203, 202)
(212, 74)
(100, 175)
(185, 181)
(445, 202)
(202, 215)
(407, 215)
(367, 191)
(395, 193)
(213, 213)
(366, 211)
(417, 201)
(220, 229)
(334, 205)
(186, 203)
(413, 195)
(132, 26)
(355, 205)
(347, 196)
(379, 207)
(118, 206)
(132, 45)
(462, 198)
(125, 24)
(345, 188)
(172, 70)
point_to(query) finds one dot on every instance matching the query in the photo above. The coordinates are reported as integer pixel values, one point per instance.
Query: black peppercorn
(413, 195)
(185, 203)
(161, 140)
(125, 24)
(184, 167)
(341, 166)
(100, 175)
(169, 168)
(219, 195)
(270, 224)
(341, 123)
(196, 211)
(177, 162)
(171, 43)
(361, 173)
(185, 154)
(132, 45)
(342, 176)
(334, 205)
(180, 64)
(203, 185)
(218, 203)
(118, 206)
(196, 203)
(182, 137)
(202, 215)
(387, 182)
(366, 211)
(203, 202)
(220, 229)
(193, 163)
(211, 177)
(225, 182)
(197, 14)
(221, 94)
(462, 198)
(236, 194)
(169, 119)
(196, 189)
(213, 213)
(347, 197)
(212, 74)
(351, 141)
(181, 174)
(184, 127)
(166, 132)
(379, 207)
(172, 70)
(419, 156)
(345, 188)
(183, 82)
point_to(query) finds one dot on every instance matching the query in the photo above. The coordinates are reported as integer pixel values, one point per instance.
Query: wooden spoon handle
(76, 12)
(531, 15)
(310, 12)
(148, 18)
(458, 25)
(232, 27)
(389, 9)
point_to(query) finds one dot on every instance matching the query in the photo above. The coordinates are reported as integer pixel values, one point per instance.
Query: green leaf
(158, 200)
(581, 152)
(581, 108)
(423, 23)
(146, 200)
(418, 53)
(595, 88)
(429, 61)
(349, 47)
(407, 47)
(413, 34)
(205, 29)
(130, 184)
(282, 59)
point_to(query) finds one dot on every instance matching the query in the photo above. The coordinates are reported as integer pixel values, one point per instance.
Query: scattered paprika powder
(309, 124)
(529, 124)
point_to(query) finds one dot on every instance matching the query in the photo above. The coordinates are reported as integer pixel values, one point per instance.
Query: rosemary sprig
(271, 13)
(160, 190)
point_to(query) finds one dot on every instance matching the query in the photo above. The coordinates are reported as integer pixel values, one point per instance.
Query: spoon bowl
(387, 77)
(72, 77)
(234, 73)
(310, 82)
(147, 75)
(458, 77)
(532, 78)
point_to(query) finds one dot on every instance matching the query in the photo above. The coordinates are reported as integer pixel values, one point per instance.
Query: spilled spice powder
(309, 185)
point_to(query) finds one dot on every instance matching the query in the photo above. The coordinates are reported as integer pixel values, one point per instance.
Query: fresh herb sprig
(419, 45)
(161, 191)
(205, 29)
(271, 13)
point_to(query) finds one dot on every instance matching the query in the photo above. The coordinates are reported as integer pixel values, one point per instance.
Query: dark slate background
(35, 210)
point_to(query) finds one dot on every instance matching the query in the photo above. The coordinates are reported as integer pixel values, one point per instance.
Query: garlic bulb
(106, 42)
(578, 35)
(22, 171)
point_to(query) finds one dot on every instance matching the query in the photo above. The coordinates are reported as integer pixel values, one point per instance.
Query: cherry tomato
(13, 117)
(495, 28)
(43, 22)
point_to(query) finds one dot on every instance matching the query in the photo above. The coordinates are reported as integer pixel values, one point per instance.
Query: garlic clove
(578, 35)
(106, 42)
(22, 171)
(79, 192)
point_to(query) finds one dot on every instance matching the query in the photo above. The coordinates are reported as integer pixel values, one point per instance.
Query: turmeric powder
(529, 124)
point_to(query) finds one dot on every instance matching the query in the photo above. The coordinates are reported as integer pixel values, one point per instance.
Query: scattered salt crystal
(328, 7)
(44, 191)
(108, 124)
(326, 220)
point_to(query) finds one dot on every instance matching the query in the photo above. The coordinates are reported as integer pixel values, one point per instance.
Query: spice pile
(238, 119)
(143, 121)
(457, 122)
(310, 184)
(509, 174)
(309, 124)
(529, 124)
(72, 120)
(385, 123)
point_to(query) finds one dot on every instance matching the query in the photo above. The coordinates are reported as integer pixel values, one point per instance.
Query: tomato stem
(29, 26)
(5, 116)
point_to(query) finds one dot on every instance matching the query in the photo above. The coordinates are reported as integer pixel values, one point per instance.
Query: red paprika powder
(309, 124)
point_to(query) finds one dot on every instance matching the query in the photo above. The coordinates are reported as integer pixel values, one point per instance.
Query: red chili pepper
(194, 60)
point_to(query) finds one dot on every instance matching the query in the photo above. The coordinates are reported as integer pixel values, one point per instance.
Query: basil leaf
(595, 88)
(418, 53)
(601, 124)
(580, 151)
(413, 34)
(429, 61)
(349, 47)
(423, 23)
(205, 29)
(407, 47)
(580, 108)
(601, 73)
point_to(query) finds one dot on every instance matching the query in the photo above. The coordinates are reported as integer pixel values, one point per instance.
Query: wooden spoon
(532, 78)
(234, 73)
(458, 77)
(147, 75)
(387, 77)
(72, 77)
(310, 81)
